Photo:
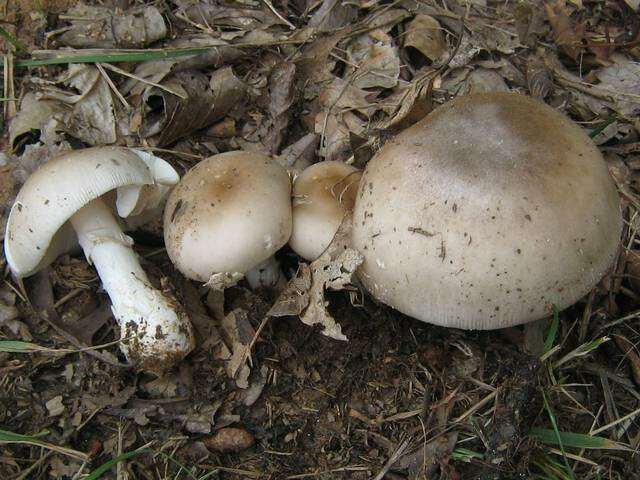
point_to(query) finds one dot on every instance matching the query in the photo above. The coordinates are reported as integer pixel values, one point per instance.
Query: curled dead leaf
(375, 60)
(334, 269)
(424, 33)
(37, 120)
(202, 101)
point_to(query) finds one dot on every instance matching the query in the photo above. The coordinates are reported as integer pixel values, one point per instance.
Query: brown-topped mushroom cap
(485, 214)
(322, 194)
(228, 214)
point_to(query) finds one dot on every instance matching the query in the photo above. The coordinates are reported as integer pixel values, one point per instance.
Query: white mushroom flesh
(486, 214)
(149, 321)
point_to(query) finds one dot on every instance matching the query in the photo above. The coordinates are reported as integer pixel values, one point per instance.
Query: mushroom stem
(266, 274)
(156, 332)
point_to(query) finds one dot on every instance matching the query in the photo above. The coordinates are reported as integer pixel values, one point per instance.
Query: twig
(277, 14)
(393, 459)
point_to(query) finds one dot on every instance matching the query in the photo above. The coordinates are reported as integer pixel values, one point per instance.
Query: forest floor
(304, 81)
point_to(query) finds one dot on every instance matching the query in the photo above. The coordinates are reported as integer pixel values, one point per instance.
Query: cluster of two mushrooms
(486, 214)
(232, 212)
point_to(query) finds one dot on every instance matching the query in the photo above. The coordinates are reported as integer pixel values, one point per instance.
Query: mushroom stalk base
(155, 330)
(267, 274)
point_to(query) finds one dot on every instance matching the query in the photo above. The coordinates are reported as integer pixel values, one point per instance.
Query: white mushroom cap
(65, 197)
(61, 187)
(228, 214)
(322, 194)
(485, 214)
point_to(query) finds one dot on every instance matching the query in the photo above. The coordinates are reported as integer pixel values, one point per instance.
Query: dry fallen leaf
(622, 80)
(237, 333)
(92, 118)
(335, 133)
(281, 97)
(376, 61)
(334, 269)
(343, 95)
(239, 20)
(218, 54)
(102, 27)
(37, 120)
(203, 100)
(424, 462)
(332, 15)
(300, 154)
(565, 33)
(408, 104)
(424, 33)
(484, 80)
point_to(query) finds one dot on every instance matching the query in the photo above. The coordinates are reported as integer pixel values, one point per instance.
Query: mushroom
(67, 195)
(485, 214)
(322, 194)
(229, 215)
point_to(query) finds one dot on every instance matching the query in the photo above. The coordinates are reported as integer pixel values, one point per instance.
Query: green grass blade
(108, 465)
(600, 128)
(575, 440)
(581, 351)
(17, 346)
(556, 432)
(141, 56)
(466, 455)
(10, 437)
(6, 436)
(19, 46)
(553, 331)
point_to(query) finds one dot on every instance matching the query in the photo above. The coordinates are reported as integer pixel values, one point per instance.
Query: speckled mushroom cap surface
(228, 214)
(485, 214)
(38, 229)
(322, 194)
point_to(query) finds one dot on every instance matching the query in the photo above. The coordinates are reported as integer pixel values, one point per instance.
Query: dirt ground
(307, 81)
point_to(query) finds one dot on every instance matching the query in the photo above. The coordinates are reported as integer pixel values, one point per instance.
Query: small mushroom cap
(485, 214)
(322, 194)
(37, 228)
(228, 214)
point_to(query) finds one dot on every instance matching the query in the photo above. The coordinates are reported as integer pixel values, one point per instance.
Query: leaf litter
(273, 390)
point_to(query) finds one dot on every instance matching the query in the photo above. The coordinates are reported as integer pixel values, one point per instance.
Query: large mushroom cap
(228, 214)
(485, 214)
(322, 194)
(37, 228)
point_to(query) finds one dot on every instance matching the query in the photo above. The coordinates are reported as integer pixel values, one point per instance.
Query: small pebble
(229, 440)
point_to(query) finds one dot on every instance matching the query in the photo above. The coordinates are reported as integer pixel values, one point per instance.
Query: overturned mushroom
(64, 196)
(485, 214)
(229, 215)
(322, 194)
